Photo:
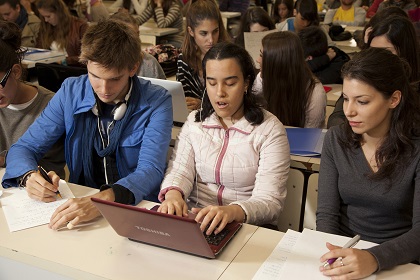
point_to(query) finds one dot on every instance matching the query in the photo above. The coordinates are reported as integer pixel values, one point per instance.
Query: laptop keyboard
(215, 239)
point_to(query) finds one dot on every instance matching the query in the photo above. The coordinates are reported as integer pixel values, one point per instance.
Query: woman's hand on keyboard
(217, 217)
(174, 204)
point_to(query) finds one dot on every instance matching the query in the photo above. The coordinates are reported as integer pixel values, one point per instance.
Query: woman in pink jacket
(231, 160)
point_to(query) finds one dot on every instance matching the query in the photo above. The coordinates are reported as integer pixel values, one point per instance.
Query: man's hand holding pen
(40, 188)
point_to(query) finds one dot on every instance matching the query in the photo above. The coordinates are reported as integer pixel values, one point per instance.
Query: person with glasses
(20, 102)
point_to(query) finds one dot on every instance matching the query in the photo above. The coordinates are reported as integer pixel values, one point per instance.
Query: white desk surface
(96, 252)
(348, 46)
(353, 28)
(262, 243)
(333, 94)
(52, 57)
(149, 28)
(156, 31)
(230, 14)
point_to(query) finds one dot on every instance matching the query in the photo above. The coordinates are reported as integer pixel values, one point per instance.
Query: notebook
(34, 54)
(163, 230)
(180, 110)
(305, 141)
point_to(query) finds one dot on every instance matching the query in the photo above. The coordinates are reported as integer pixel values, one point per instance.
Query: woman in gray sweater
(370, 168)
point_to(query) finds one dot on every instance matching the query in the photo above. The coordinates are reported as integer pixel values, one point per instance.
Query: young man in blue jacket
(117, 130)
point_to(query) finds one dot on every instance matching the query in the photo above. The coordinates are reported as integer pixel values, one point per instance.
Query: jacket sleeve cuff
(163, 192)
(122, 194)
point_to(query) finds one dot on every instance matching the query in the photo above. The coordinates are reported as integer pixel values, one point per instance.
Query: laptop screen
(180, 110)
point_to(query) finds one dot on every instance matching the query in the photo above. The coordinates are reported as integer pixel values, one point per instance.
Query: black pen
(44, 175)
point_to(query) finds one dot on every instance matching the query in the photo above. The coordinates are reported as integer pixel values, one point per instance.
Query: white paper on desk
(272, 267)
(304, 262)
(23, 212)
(253, 41)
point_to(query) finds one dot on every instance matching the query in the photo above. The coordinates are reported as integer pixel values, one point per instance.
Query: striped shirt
(172, 19)
(189, 79)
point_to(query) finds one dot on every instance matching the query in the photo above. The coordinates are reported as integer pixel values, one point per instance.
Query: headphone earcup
(119, 110)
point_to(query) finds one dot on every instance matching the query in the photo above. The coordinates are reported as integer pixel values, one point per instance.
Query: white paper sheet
(22, 212)
(272, 267)
(297, 255)
(304, 262)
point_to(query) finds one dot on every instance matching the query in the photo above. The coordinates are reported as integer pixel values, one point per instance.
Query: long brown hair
(58, 33)
(197, 12)
(387, 73)
(288, 83)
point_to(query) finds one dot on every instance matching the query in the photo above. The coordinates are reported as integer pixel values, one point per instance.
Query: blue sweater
(140, 156)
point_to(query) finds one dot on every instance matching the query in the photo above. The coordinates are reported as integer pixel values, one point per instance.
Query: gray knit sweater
(14, 123)
(349, 203)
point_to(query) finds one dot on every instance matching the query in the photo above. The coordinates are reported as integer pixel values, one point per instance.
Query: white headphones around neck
(119, 110)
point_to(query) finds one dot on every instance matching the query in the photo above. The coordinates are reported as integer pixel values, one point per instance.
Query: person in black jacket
(325, 62)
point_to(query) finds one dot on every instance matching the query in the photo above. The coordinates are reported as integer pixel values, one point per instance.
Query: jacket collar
(242, 125)
(89, 99)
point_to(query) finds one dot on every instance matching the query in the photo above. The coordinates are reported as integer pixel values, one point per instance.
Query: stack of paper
(297, 255)
(23, 212)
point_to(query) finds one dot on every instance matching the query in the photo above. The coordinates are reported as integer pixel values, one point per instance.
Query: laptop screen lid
(160, 229)
(180, 110)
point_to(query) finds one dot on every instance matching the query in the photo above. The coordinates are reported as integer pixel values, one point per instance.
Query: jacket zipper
(218, 166)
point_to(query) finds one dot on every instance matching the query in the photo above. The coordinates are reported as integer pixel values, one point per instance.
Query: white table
(334, 93)
(262, 243)
(149, 32)
(96, 252)
(227, 15)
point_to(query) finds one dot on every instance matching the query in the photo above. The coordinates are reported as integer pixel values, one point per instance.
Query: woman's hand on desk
(217, 217)
(77, 210)
(354, 264)
(174, 204)
(40, 189)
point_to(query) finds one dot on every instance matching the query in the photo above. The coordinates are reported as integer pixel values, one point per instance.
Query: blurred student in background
(60, 30)
(149, 66)
(405, 5)
(166, 13)
(325, 62)
(282, 10)
(255, 19)
(133, 7)
(395, 33)
(346, 14)
(306, 15)
(204, 28)
(292, 92)
(29, 23)
(21, 102)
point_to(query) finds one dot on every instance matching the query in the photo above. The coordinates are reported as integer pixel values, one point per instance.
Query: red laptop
(168, 231)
